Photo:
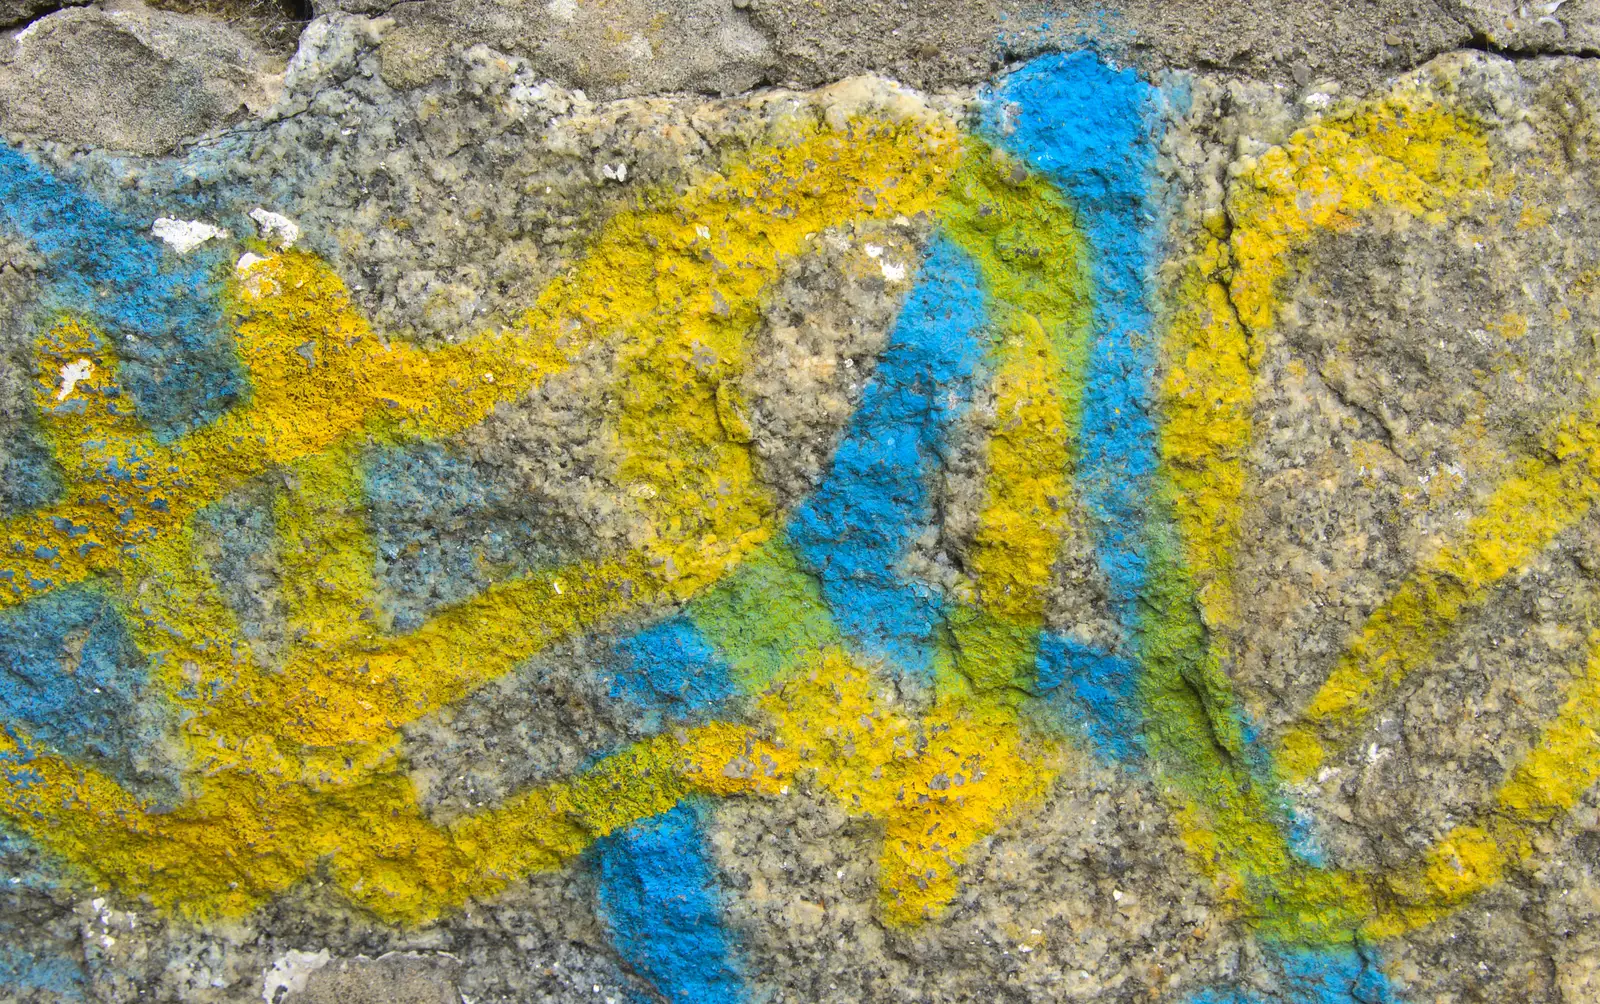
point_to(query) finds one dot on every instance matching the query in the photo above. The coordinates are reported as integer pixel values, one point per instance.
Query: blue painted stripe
(671, 669)
(659, 897)
(1093, 130)
(165, 311)
(877, 497)
(1104, 686)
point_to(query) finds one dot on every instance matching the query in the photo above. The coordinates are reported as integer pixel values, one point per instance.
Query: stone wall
(779, 501)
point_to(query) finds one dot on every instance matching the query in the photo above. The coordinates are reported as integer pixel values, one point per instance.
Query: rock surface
(128, 78)
(768, 501)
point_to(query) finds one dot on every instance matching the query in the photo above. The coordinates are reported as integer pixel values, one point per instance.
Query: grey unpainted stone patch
(395, 978)
(952, 42)
(19, 12)
(611, 50)
(1518, 26)
(130, 78)
(141, 81)
(635, 47)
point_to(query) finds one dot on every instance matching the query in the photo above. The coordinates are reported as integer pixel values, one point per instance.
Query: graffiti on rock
(774, 641)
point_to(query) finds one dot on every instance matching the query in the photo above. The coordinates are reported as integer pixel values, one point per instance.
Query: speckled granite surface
(583, 502)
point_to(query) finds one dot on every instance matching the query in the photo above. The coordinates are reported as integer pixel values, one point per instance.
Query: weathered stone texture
(777, 501)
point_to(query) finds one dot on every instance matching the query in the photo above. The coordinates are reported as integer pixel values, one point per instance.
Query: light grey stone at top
(128, 78)
(17, 13)
(146, 81)
(642, 46)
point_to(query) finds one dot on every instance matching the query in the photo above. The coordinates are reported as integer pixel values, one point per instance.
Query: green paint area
(765, 617)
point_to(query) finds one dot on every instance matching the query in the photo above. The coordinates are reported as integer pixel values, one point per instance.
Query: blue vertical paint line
(1315, 976)
(878, 497)
(1103, 685)
(659, 897)
(669, 668)
(1090, 129)
(1087, 127)
(164, 311)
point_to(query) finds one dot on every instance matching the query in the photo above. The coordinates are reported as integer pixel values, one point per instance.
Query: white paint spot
(704, 232)
(253, 283)
(874, 250)
(1318, 100)
(563, 10)
(893, 272)
(291, 971)
(71, 373)
(184, 236)
(275, 226)
(618, 173)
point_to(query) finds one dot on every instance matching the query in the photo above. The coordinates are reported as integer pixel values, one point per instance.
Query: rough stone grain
(1415, 375)
(128, 78)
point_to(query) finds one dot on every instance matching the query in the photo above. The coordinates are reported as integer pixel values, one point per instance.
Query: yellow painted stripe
(1520, 519)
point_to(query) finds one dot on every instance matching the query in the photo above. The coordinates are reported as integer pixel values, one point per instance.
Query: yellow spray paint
(1405, 154)
(1031, 254)
(298, 762)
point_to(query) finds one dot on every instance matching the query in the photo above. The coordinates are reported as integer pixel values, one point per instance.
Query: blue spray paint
(670, 668)
(445, 530)
(54, 972)
(659, 897)
(1102, 685)
(71, 676)
(41, 947)
(1090, 129)
(1301, 831)
(877, 497)
(1315, 976)
(164, 312)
